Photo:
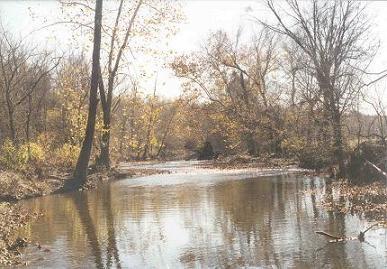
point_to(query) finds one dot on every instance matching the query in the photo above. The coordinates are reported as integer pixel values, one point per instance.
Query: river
(199, 218)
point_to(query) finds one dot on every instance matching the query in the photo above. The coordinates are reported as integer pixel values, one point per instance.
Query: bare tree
(330, 33)
(150, 123)
(379, 108)
(23, 71)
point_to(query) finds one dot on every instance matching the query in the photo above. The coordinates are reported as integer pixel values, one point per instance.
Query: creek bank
(16, 186)
(12, 217)
(244, 161)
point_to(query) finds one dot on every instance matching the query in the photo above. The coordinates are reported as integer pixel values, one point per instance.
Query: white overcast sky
(202, 17)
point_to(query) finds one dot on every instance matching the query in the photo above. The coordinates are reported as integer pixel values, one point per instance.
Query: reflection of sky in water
(195, 218)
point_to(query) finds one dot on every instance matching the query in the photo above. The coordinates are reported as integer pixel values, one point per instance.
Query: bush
(31, 153)
(66, 156)
(314, 157)
(8, 155)
(206, 152)
(20, 158)
(293, 146)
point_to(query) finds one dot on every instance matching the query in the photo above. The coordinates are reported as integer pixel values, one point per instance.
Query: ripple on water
(199, 218)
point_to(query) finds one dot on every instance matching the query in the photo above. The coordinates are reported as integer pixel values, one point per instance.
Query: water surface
(199, 218)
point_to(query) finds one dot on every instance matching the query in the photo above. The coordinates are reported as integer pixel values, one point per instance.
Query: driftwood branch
(340, 239)
(362, 234)
(377, 169)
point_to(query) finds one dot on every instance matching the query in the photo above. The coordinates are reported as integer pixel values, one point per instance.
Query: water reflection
(267, 222)
(112, 250)
(82, 207)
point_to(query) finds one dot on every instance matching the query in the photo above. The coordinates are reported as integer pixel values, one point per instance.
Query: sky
(202, 17)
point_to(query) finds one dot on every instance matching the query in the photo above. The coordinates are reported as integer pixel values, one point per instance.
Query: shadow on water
(81, 203)
(112, 250)
(260, 222)
(82, 206)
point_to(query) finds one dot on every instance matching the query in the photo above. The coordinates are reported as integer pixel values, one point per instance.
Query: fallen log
(377, 169)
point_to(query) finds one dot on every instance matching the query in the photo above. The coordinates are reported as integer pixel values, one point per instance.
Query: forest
(298, 90)
(298, 98)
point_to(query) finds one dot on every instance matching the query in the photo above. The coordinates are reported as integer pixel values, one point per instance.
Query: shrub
(20, 158)
(66, 156)
(31, 153)
(206, 151)
(8, 155)
(315, 157)
(293, 146)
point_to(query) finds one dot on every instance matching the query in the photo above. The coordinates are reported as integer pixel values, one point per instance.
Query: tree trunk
(103, 159)
(150, 126)
(80, 172)
(332, 110)
(11, 121)
(338, 142)
(251, 144)
(148, 137)
(122, 135)
(165, 134)
(12, 126)
(28, 123)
